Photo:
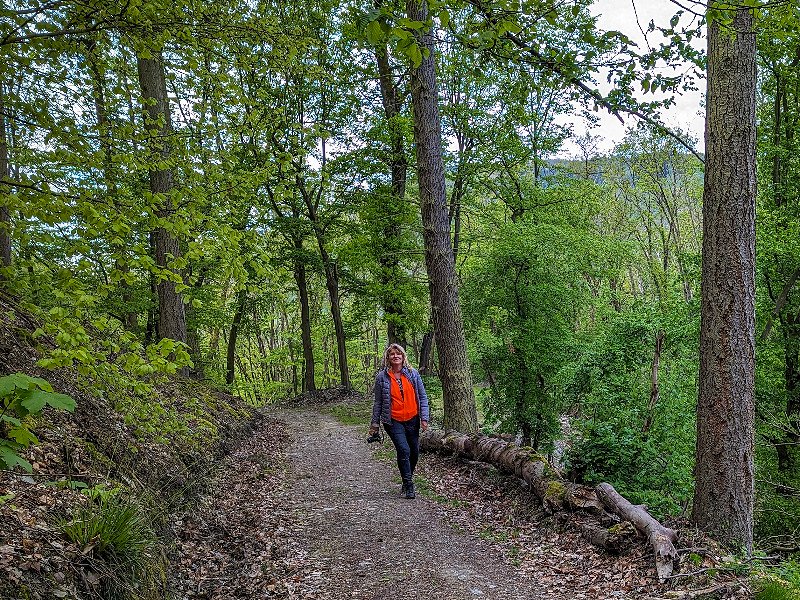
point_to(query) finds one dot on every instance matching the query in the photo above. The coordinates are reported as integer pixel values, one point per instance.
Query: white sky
(619, 15)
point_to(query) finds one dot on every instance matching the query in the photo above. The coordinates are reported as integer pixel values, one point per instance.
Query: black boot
(408, 491)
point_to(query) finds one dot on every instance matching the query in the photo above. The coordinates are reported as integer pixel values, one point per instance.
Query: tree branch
(779, 304)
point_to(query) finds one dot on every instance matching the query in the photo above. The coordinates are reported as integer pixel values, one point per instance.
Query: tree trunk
(230, 366)
(724, 470)
(300, 278)
(465, 146)
(5, 176)
(398, 165)
(331, 280)
(661, 538)
(459, 399)
(654, 389)
(158, 123)
(426, 352)
(332, 283)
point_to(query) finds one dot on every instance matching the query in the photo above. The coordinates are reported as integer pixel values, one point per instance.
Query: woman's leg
(412, 437)
(397, 433)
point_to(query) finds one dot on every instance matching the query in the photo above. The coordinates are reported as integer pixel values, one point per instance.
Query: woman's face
(395, 358)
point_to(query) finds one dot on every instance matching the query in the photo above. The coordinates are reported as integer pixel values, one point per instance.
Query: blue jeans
(405, 437)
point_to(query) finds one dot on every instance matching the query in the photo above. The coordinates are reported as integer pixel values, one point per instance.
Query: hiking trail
(306, 509)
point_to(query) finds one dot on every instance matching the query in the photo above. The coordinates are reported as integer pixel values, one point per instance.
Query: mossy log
(557, 494)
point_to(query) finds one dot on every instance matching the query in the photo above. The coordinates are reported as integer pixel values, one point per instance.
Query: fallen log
(555, 493)
(661, 538)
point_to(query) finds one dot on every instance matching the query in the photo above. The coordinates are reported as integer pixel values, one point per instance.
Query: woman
(401, 404)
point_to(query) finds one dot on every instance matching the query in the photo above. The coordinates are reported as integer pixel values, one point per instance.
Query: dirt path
(378, 545)
(304, 510)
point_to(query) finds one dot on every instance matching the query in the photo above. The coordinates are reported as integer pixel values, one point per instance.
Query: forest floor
(306, 509)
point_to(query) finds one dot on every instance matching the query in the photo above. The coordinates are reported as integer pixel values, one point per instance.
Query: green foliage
(433, 389)
(282, 152)
(634, 463)
(770, 589)
(778, 261)
(522, 298)
(118, 533)
(22, 397)
(779, 582)
(352, 414)
(646, 451)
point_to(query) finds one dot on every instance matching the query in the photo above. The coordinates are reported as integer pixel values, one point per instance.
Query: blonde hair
(400, 349)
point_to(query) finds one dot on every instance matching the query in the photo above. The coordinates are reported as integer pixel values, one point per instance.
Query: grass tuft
(119, 541)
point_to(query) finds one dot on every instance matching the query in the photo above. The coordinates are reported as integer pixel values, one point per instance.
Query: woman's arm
(424, 410)
(377, 404)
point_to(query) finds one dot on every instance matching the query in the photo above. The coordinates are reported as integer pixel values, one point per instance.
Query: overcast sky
(620, 15)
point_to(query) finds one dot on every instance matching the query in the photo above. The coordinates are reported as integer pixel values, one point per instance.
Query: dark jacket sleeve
(378, 403)
(422, 396)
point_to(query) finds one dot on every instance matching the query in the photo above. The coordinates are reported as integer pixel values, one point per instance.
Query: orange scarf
(404, 400)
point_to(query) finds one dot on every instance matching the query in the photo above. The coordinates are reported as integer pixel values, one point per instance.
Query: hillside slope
(121, 454)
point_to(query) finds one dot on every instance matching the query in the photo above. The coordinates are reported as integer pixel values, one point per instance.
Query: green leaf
(374, 32)
(444, 19)
(36, 400)
(6, 418)
(61, 402)
(410, 23)
(508, 27)
(415, 54)
(12, 459)
(22, 435)
(43, 384)
(10, 383)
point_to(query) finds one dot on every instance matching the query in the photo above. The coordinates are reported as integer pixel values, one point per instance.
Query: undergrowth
(779, 583)
(121, 548)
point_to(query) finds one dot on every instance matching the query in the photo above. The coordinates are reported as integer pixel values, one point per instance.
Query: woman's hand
(424, 425)
(373, 428)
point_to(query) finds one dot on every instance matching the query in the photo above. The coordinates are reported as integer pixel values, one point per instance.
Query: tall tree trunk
(300, 278)
(459, 399)
(230, 367)
(5, 176)
(332, 283)
(398, 164)
(331, 280)
(465, 147)
(724, 470)
(426, 352)
(158, 122)
(654, 389)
